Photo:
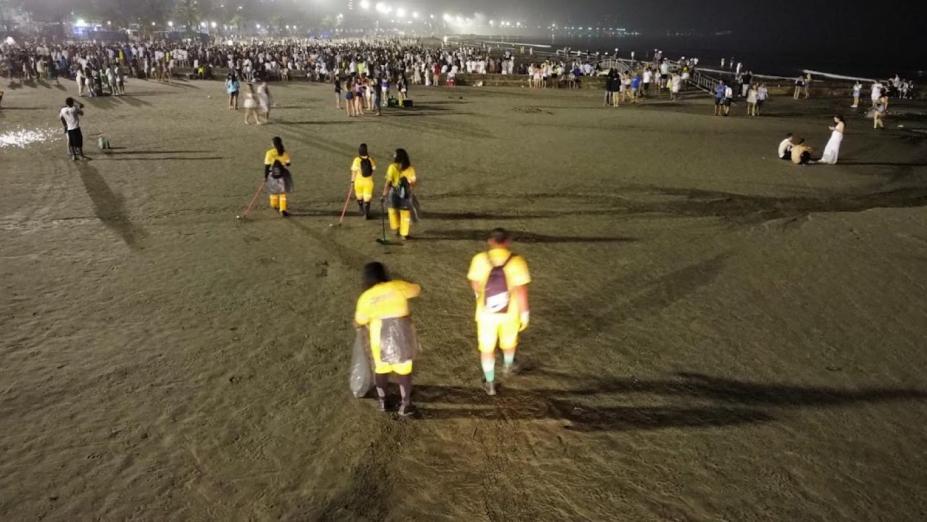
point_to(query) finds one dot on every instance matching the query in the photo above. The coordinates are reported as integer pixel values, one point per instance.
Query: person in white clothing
(832, 150)
(785, 147)
(70, 118)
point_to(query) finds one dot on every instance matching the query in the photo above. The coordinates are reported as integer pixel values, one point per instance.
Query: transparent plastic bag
(398, 342)
(361, 377)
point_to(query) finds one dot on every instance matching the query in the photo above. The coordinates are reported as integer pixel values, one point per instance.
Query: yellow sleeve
(478, 268)
(362, 311)
(355, 167)
(285, 159)
(409, 290)
(410, 173)
(269, 157)
(392, 175)
(373, 163)
(516, 272)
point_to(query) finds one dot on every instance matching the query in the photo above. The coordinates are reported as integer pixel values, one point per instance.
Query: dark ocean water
(785, 58)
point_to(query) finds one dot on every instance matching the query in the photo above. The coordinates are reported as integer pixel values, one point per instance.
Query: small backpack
(496, 292)
(278, 170)
(404, 190)
(366, 167)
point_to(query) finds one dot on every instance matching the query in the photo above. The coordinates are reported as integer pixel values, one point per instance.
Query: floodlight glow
(400, 12)
(169, 24)
(202, 24)
(258, 26)
(415, 14)
(213, 24)
(365, 4)
(446, 17)
(382, 8)
(80, 22)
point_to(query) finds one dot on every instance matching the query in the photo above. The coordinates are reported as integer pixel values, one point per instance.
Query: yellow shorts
(501, 329)
(363, 188)
(382, 368)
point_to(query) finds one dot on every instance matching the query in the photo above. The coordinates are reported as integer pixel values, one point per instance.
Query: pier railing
(703, 82)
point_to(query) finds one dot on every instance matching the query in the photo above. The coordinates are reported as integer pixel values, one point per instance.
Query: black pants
(75, 142)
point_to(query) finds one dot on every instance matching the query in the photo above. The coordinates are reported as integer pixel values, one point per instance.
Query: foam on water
(22, 137)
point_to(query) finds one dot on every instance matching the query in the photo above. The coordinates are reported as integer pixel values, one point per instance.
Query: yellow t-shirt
(387, 300)
(516, 274)
(356, 166)
(272, 156)
(393, 175)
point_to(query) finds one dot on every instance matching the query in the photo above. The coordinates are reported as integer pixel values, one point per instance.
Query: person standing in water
(277, 176)
(499, 280)
(362, 170)
(383, 310)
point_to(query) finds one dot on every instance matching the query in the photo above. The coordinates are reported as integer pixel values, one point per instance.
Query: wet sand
(716, 334)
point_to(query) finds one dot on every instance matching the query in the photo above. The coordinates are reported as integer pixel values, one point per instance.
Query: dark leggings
(405, 386)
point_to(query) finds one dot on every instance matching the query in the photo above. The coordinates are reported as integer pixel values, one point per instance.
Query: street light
(365, 4)
(169, 24)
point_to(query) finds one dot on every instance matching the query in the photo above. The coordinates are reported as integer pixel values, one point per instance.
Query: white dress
(832, 150)
(263, 98)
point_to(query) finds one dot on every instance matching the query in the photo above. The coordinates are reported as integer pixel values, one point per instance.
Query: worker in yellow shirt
(278, 180)
(383, 309)
(400, 180)
(499, 280)
(362, 176)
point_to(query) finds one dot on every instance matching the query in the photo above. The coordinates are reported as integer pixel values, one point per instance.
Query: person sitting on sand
(785, 147)
(801, 153)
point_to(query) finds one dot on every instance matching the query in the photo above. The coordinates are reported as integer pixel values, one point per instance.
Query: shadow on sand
(751, 209)
(706, 402)
(109, 207)
(518, 236)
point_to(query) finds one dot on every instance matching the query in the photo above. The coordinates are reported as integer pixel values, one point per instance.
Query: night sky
(816, 19)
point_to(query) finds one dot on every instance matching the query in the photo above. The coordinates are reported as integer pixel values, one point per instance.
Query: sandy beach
(716, 334)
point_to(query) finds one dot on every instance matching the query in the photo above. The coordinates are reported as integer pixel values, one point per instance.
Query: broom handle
(254, 199)
(347, 199)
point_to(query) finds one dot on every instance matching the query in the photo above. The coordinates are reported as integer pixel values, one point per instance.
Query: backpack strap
(503, 265)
